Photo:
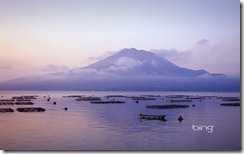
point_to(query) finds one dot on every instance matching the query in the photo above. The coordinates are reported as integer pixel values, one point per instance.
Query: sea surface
(87, 126)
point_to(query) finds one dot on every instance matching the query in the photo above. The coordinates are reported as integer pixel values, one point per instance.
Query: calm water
(87, 126)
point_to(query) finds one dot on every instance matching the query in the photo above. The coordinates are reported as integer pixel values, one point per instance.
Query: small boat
(173, 106)
(141, 98)
(168, 101)
(88, 99)
(31, 109)
(175, 96)
(5, 110)
(152, 117)
(180, 118)
(24, 103)
(21, 100)
(24, 97)
(114, 96)
(6, 103)
(74, 96)
(196, 97)
(231, 99)
(107, 102)
(6, 100)
(230, 104)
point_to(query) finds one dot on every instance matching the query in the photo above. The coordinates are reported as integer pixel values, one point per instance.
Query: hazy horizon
(39, 37)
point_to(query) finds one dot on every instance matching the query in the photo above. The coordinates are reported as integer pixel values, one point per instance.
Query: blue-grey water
(86, 126)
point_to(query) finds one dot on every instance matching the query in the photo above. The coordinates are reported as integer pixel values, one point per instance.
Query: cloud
(5, 67)
(54, 68)
(203, 42)
(125, 63)
(6, 71)
(12, 69)
(172, 54)
(222, 57)
(101, 57)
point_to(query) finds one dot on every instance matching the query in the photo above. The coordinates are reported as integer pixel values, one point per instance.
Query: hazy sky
(41, 36)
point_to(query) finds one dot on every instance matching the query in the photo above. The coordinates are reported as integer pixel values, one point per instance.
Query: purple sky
(44, 36)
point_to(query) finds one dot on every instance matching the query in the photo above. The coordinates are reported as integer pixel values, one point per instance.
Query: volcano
(128, 69)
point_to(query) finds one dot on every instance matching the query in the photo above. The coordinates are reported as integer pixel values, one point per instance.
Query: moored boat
(168, 101)
(230, 104)
(152, 117)
(24, 103)
(31, 109)
(88, 99)
(107, 102)
(167, 106)
(5, 110)
(6, 103)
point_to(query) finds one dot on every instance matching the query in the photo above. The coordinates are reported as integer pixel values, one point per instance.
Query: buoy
(193, 105)
(65, 108)
(180, 118)
(137, 101)
(54, 103)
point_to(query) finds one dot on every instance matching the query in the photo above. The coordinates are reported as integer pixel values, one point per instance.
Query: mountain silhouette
(128, 69)
(135, 62)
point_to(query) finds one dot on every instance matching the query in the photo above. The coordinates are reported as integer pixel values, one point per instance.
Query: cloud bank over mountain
(223, 57)
(54, 68)
(128, 69)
